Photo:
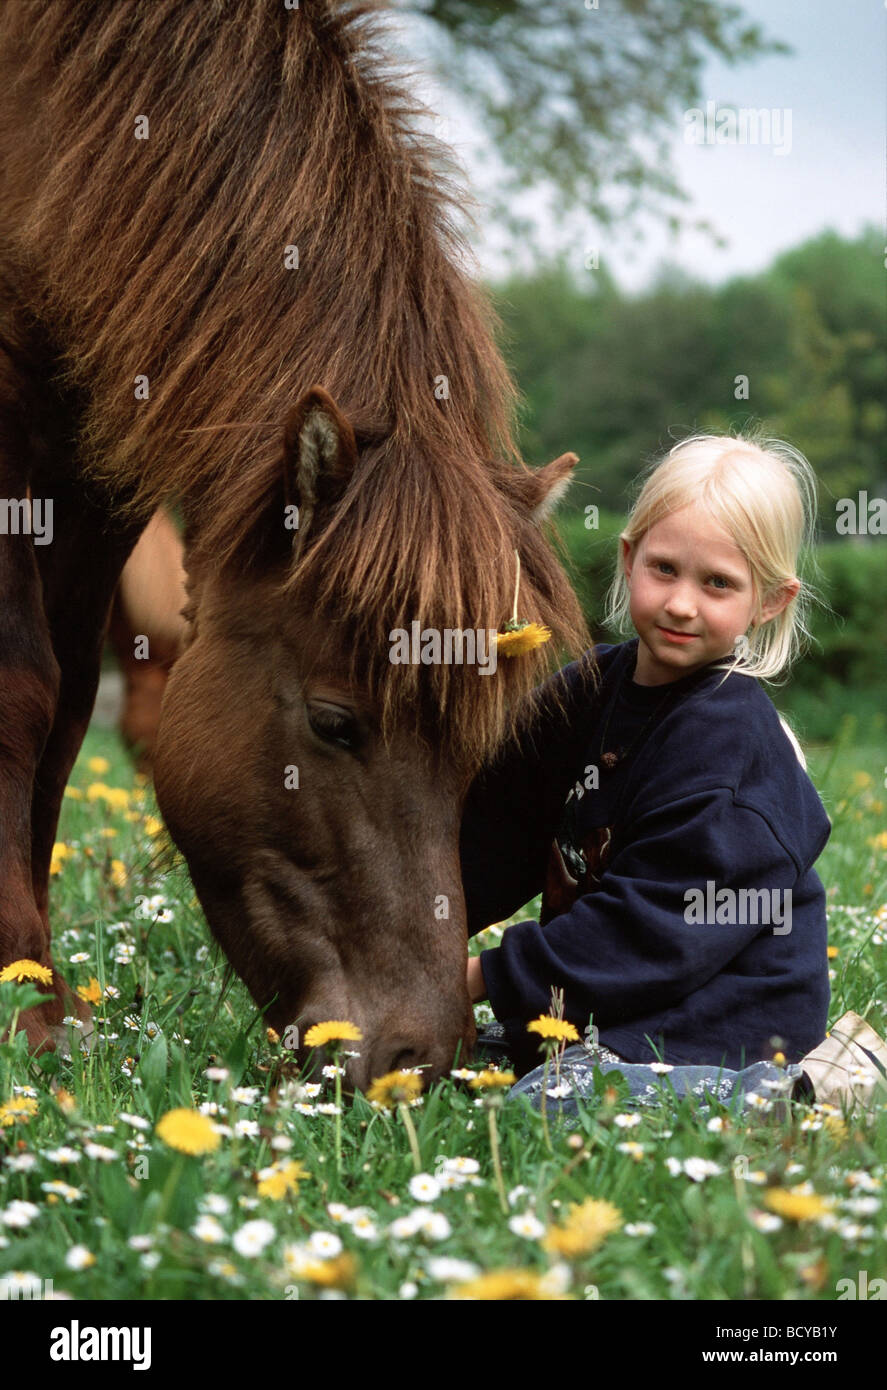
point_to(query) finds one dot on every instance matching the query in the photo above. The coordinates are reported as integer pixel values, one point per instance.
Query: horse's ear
(538, 490)
(319, 454)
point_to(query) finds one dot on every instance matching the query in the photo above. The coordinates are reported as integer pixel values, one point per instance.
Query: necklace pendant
(610, 760)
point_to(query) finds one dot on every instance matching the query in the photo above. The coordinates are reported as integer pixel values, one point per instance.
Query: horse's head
(315, 787)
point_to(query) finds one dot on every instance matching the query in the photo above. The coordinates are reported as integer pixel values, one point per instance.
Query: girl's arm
(514, 805)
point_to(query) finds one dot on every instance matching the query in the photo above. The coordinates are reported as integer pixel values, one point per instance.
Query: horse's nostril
(407, 1057)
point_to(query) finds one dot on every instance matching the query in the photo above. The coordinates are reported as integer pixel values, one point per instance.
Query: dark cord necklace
(614, 757)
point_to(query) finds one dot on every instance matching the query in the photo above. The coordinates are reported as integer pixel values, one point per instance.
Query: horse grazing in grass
(230, 275)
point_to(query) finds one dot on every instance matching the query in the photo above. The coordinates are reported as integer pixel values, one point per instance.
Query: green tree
(566, 91)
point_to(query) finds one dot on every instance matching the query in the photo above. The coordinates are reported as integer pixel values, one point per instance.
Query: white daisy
(365, 1228)
(526, 1225)
(447, 1270)
(325, 1244)
(252, 1238)
(700, 1168)
(137, 1121)
(246, 1129)
(18, 1214)
(140, 1242)
(626, 1121)
(100, 1151)
(216, 1073)
(63, 1154)
(245, 1095)
(209, 1230)
(433, 1224)
(215, 1203)
(79, 1257)
(640, 1228)
(424, 1188)
(20, 1163)
(765, 1221)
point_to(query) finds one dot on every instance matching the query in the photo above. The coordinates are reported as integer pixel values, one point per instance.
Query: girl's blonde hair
(763, 492)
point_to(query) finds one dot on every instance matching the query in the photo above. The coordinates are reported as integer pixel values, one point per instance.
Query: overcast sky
(834, 85)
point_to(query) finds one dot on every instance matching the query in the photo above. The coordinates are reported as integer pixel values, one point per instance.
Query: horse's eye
(334, 725)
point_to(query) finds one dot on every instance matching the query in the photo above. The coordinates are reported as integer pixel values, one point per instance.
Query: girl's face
(691, 595)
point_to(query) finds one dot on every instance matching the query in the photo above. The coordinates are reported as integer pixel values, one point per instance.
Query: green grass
(167, 1017)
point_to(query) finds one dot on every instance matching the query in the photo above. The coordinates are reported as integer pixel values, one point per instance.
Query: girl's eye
(664, 565)
(720, 582)
(334, 725)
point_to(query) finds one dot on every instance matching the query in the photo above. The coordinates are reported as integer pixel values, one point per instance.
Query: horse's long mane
(164, 258)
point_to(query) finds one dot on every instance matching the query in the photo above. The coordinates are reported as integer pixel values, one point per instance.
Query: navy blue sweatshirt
(662, 948)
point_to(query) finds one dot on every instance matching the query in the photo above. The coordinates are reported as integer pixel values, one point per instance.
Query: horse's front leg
(79, 572)
(29, 690)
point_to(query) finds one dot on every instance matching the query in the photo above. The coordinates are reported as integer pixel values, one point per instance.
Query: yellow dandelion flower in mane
(188, 1131)
(337, 1030)
(796, 1206)
(92, 992)
(99, 766)
(492, 1078)
(587, 1226)
(515, 640)
(26, 970)
(506, 1284)
(17, 1111)
(519, 635)
(395, 1088)
(548, 1027)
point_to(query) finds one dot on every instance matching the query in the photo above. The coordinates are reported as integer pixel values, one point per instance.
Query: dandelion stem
(494, 1152)
(516, 587)
(338, 1113)
(411, 1135)
(545, 1099)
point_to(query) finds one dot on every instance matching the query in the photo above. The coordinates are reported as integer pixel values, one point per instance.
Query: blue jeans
(761, 1088)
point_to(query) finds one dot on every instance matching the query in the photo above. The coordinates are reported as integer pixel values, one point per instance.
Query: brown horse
(204, 211)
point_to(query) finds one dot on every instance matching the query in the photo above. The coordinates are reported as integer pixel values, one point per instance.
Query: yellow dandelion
(273, 1036)
(285, 1178)
(26, 970)
(17, 1111)
(107, 832)
(337, 1273)
(118, 873)
(515, 640)
(879, 841)
(153, 826)
(796, 1206)
(394, 1088)
(73, 793)
(188, 1131)
(779, 1058)
(586, 1227)
(548, 1027)
(492, 1078)
(336, 1030)
(115, 797)
(501, 1285)
(832, 951)
(92, 992)
(99, 766)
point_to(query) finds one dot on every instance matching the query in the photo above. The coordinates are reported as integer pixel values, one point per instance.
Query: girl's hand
(477, 989)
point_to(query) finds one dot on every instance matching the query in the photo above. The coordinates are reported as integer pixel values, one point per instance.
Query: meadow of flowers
(185, 1156)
